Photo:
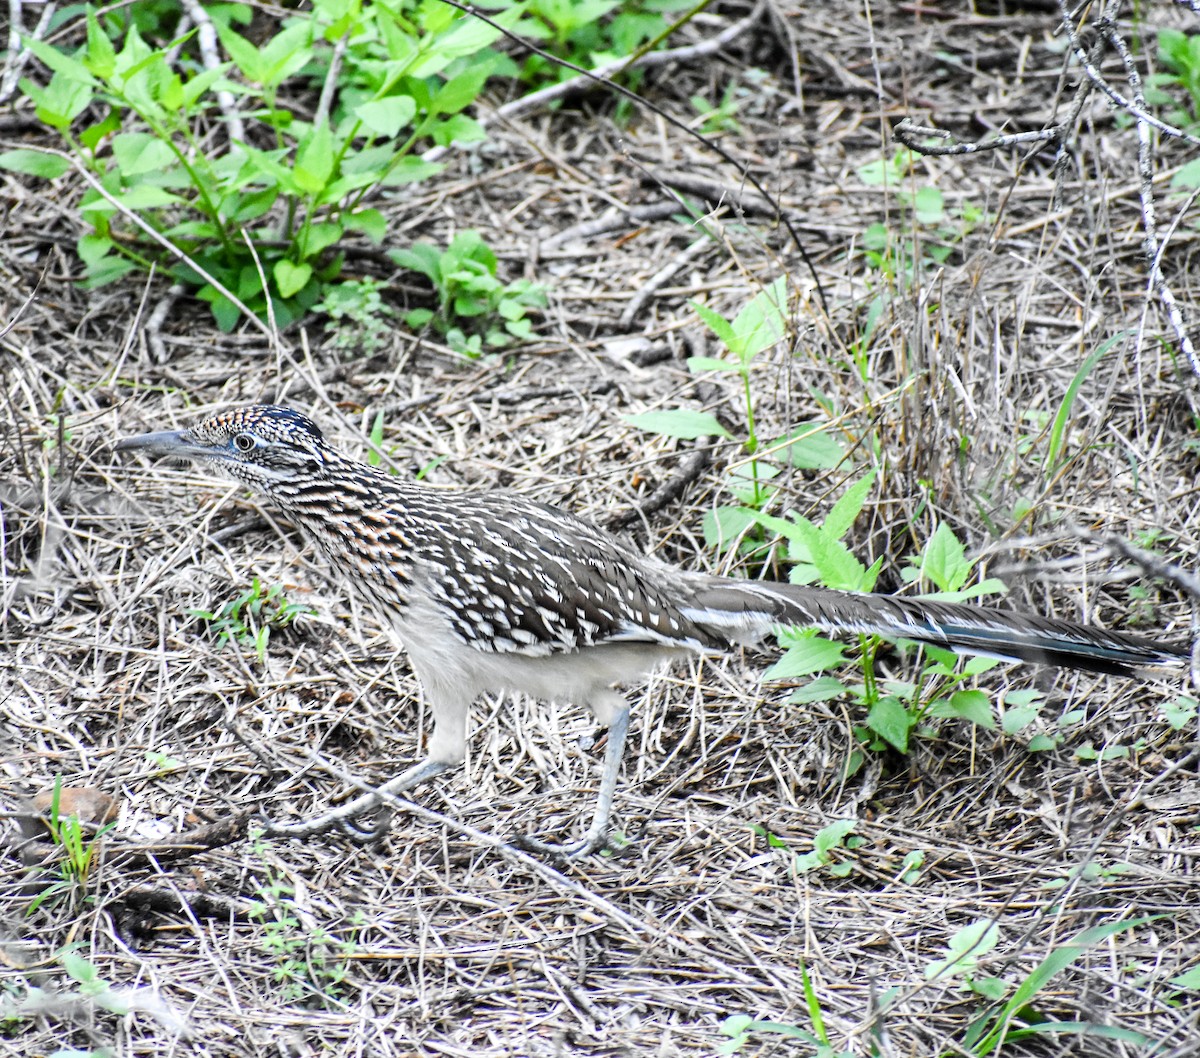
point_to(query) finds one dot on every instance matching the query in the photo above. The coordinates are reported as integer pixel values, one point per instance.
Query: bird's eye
(244, 442)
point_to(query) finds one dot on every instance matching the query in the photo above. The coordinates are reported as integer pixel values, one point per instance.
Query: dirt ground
(946, 384)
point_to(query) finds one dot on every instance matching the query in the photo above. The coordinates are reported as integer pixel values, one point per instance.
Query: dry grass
(449, 948)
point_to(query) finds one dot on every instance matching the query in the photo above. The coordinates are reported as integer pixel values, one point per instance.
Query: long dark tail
(739, 608)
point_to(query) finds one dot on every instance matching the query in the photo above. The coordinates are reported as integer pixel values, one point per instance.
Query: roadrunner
(492, 592)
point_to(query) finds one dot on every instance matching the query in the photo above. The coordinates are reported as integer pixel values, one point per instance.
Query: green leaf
(60, 102)
(101, 56)
(761, 322)
(1179, 712)
(141, 152)
(678, 422)
(1017, 718)
(59, 62)
(319, 237)
(91, 248)
(245, 55)
(1041, 743)
(716, 323)
(314, 159)
(1190, 979)
(370, 222)
(386, 117)
(813, 655)
(811, 447)
(1062, 418)
(291, 278)
(965, 948)
(34, 163)
(844, 513)
(410, 169)
(943, 560)
(825, 841)
(725, 525)
(822, 689)
(697, 364)
(928, 206)
(460, 91)
(966, 705)
(889, 719)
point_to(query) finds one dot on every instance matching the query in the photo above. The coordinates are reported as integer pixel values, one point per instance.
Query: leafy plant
(79, 845)
(475, 309)
(589, 33)
(719, 118)
(835, 835)
(741, 1027)
(1016, 1018)
(310, 963)
(258, 218)
(1179, 53)
(359, 319)
(250, 618)
(929, 230)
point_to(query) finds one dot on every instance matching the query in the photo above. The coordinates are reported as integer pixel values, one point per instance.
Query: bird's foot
(360, 834)
(572, 850)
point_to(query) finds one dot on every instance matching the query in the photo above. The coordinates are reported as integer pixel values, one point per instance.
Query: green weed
(250, 618)
(260, 218)
(310, 963)
(78, 845)
(476, 310)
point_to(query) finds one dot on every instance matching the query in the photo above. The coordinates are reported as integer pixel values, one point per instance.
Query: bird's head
(263, 446)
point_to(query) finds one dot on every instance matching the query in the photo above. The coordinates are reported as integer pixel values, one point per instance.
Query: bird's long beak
(177, 444)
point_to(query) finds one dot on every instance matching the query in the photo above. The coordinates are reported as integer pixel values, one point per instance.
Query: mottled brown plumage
(495, 592)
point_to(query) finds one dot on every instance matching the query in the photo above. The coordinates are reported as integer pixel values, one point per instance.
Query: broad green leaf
(290, 278)
(1180, 711)
(370, 222)
(59, 62)
(966, 705)
(843, 513)
(965, 949)
(1189, 979)
(716, 323)
(201, 83)
(245, 55)
(318, 237)
(811, 447)
(314, 159)
(725, 525)
(813, 655)
(386, 117)
(944, 559)
(1041, 744)
(34, 163)
(822, 689)
(91, 248)
(410, 169)
(460, 91)
(890, 721)
(825, 841)
(928, 206)
(60, 102)
(101, 56)
(678, 422)
(1017, 718)
(711, 363)
(761, 321)
(141, 152)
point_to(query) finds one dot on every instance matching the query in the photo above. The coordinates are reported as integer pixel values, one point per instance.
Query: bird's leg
(596, 838)
(344, 816)
(447, 749)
